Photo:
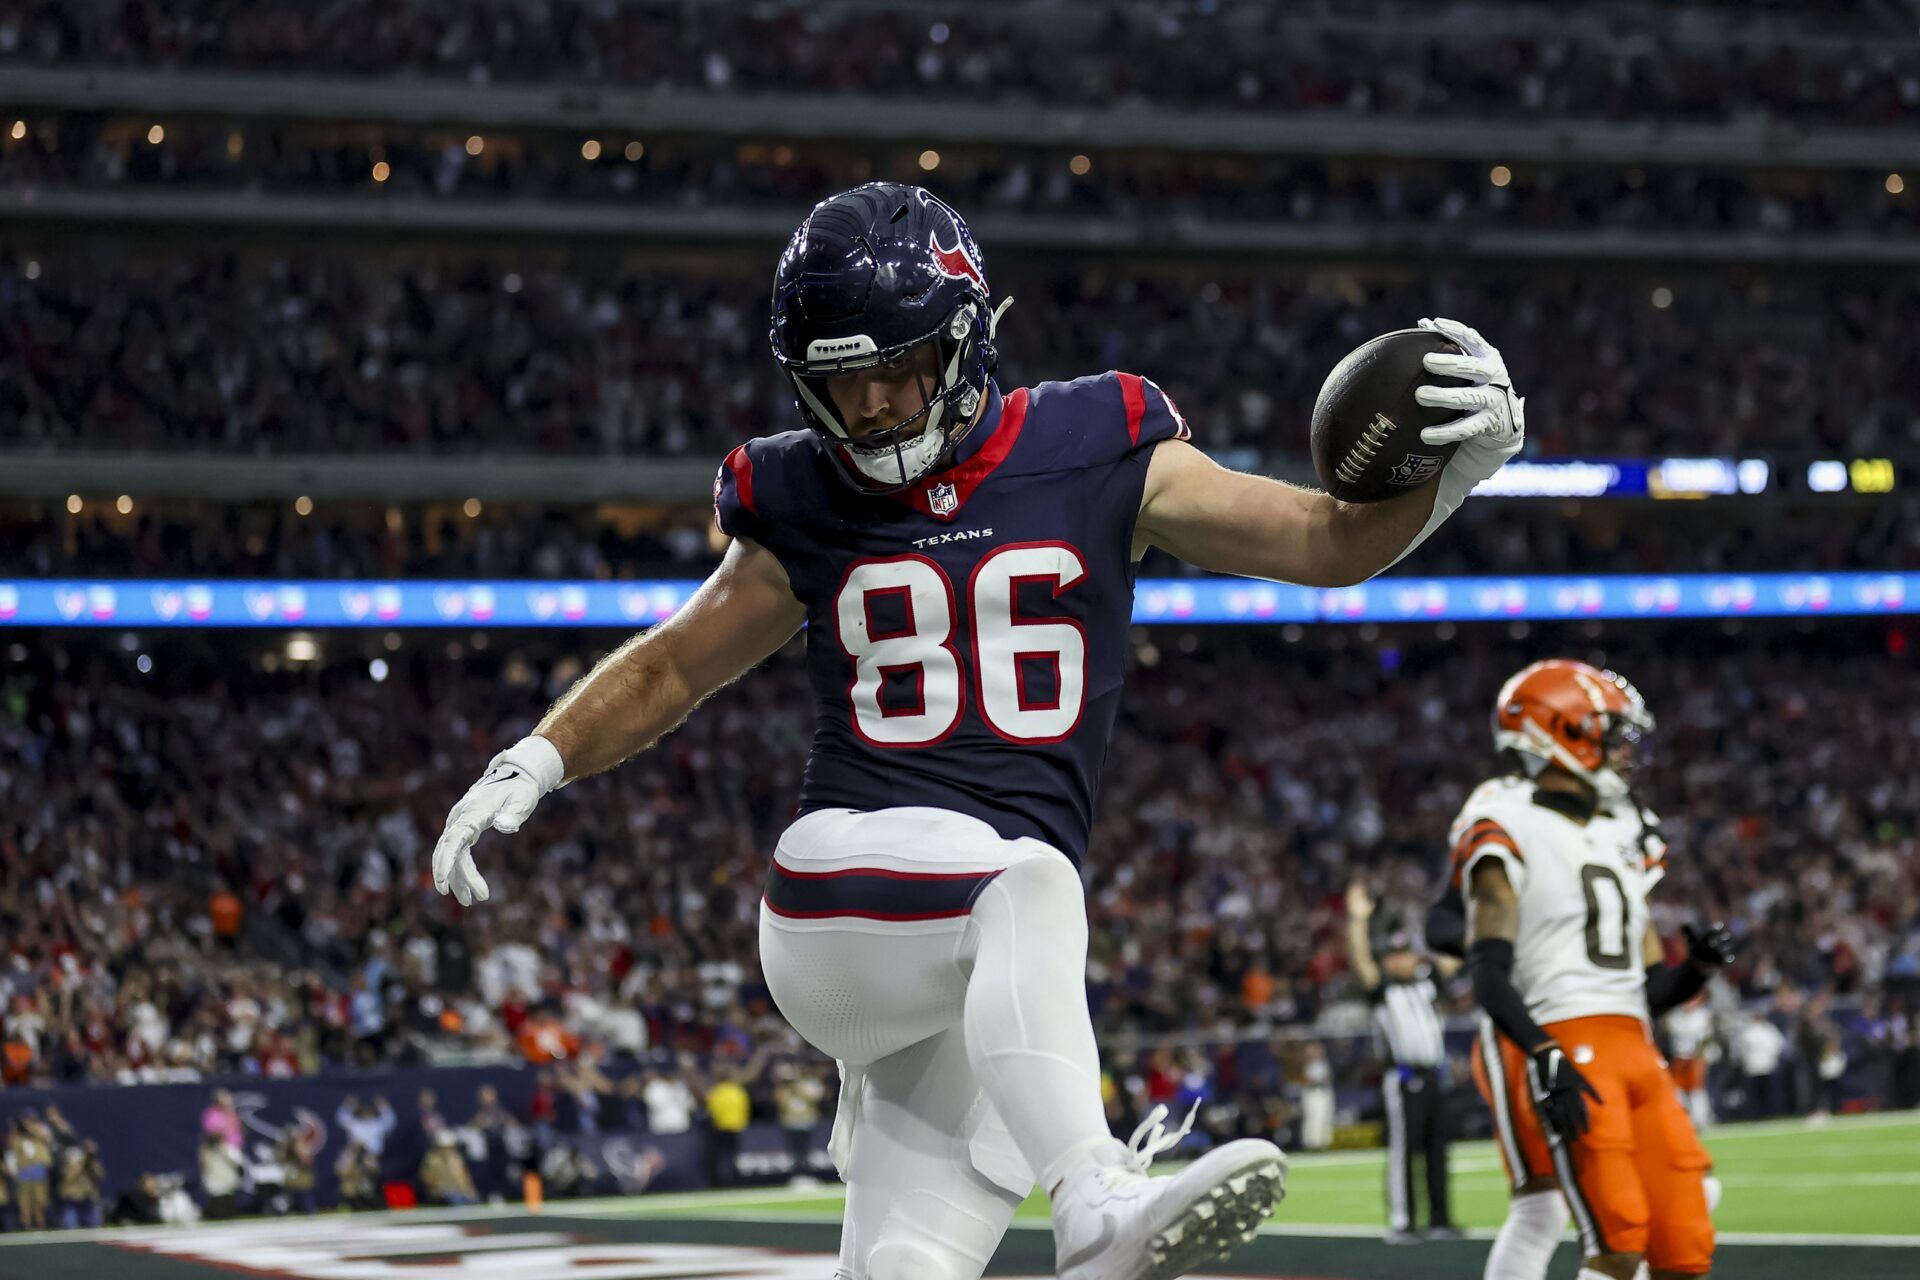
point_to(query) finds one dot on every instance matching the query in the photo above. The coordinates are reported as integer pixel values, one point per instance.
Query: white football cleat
(1113, 1222)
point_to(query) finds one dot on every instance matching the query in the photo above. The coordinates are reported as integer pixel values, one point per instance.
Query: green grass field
(1854, 1176)
(1840, 1200)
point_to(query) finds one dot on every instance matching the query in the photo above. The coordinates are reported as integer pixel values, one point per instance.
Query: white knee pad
(1713, 1189)
(900, 1260)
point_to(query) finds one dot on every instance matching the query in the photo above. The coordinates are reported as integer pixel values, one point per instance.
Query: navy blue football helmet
(871, 275)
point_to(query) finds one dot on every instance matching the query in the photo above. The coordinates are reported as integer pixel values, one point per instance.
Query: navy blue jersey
(967, 638)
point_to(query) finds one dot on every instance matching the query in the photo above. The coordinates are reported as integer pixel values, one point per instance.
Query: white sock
(1029, 1035)
(1528, 1237)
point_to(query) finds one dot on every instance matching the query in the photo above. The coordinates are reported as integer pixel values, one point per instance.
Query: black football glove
(1710, 947)
(1557, 1088)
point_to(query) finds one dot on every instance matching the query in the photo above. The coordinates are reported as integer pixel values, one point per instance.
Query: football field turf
(1840, 1200)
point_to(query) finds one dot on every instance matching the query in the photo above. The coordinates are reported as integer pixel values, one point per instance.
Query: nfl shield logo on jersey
(943, 499)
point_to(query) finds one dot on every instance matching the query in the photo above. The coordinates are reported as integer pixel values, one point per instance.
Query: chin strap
(993, 320)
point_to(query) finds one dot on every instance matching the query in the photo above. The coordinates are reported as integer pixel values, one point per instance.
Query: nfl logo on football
(943, 499)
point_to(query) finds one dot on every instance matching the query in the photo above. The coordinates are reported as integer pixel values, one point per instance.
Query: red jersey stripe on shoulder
(742, 467)
(966, 476)
(1133, 392)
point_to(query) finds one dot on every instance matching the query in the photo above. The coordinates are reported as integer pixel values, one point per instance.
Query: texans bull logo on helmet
(955, 262)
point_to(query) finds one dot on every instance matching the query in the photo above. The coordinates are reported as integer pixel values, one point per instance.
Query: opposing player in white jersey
(1554, 862)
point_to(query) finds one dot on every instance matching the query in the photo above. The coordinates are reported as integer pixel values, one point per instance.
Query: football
(1366, 424)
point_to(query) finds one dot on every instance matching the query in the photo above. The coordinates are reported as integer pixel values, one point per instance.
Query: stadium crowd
(188, 539)
(316, 351)
(1832, 64)
(121, 153)
(214, 869)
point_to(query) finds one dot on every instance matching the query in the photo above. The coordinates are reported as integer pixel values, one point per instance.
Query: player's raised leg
(1030, 1038)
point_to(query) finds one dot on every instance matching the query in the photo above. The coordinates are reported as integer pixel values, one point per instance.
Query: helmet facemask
(893, 459)
(1600, 746)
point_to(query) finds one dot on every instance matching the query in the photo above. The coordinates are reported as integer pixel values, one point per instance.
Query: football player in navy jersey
(964, 559)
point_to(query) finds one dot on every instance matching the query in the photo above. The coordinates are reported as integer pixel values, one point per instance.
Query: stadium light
(381, 171)
(1080, 165)
(157, 135)
(303, 505)
(19, 130)
(590, 149)
(124, 504)
(74, 504)
(635, 150)
(1895, 184)
(1500, 176)
(476, 144)
(929, 160)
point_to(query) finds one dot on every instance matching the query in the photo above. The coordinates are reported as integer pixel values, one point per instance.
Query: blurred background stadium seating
(419, 289)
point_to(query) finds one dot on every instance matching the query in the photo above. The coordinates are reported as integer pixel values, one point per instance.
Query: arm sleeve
(1671, 985)
(1490, 964)
(1446, 924)
(734, 510)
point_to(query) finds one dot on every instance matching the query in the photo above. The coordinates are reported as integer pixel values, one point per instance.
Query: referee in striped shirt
(1401, 989)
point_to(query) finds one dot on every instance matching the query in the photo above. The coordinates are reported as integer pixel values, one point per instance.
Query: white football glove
(1496, 418)
(502, 799)
(1492, 430)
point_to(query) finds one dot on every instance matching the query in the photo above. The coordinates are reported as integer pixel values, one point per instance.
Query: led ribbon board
(135, 603)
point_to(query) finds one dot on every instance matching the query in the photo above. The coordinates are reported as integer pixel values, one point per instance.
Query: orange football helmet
(1573, 715)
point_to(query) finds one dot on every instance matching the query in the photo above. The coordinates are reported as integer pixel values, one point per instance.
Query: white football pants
(944, 967)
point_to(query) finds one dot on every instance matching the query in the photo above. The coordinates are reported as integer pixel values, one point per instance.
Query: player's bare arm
(633, 696)
(649, 685)
(1359, 947)
(1231, 522)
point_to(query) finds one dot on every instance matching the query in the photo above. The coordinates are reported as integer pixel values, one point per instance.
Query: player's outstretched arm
(1230, 522)
(634, 695)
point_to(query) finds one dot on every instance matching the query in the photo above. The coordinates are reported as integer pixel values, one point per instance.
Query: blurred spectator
(139, 1204)
(1761, 1049)
(81, 1183)
(587, 355)
(295, 1153)
(728, 1111)
(798, 1093)
(1316, 1099)
(30, 1161)
(669, 1103)
(221, 1119)
(443, 1173)
(1825, 64)
(222, 1173)
(358, 1170)
(368, 1122)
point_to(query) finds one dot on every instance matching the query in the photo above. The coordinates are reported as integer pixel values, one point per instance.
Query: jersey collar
(941, 494)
